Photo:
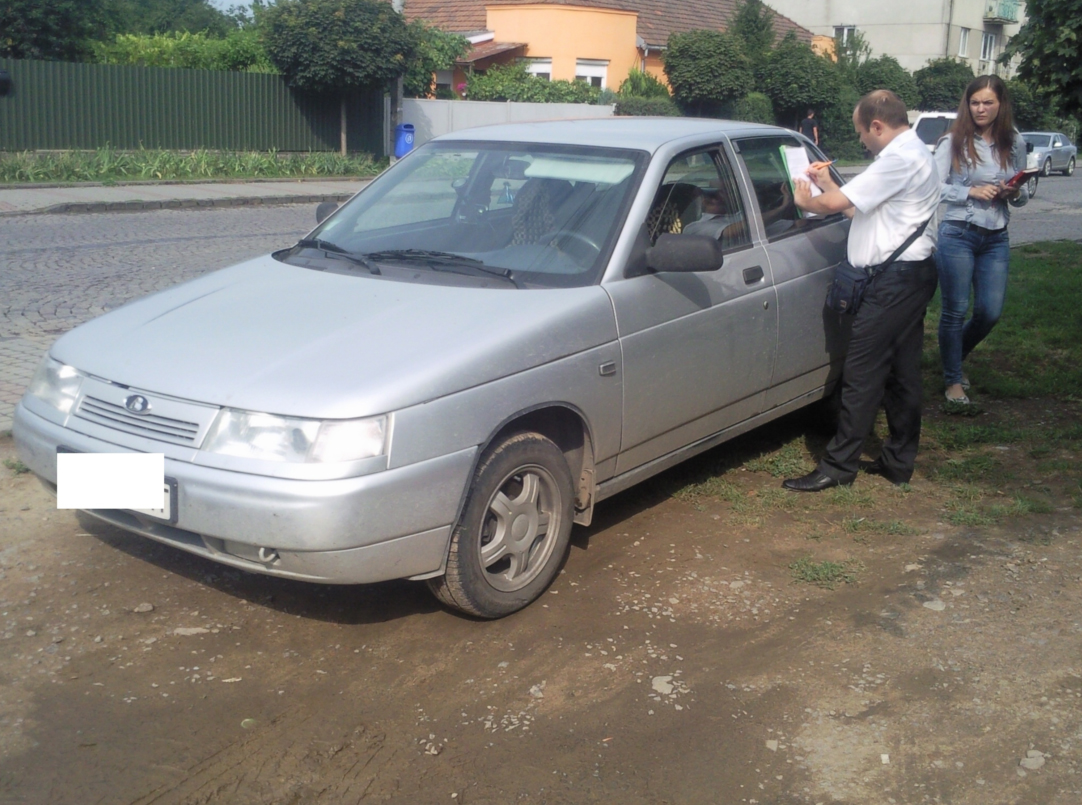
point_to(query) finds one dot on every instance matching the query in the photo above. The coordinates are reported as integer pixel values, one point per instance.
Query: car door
(802, 251)
(697, 348)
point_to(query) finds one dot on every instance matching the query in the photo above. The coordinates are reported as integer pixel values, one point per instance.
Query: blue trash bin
(403, 139)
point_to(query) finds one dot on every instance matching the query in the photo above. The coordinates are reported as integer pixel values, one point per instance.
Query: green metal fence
(61, 105)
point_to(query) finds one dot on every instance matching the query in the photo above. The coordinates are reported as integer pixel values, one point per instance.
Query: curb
(177, 204)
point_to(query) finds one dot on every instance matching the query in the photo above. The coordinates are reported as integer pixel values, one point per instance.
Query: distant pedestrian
(981, 152)
(809, 127)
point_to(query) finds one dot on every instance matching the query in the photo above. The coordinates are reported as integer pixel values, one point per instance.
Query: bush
(639, 84)
(646, 107)
(239, 51)
(886, 73)
(706, 70)
(942, 83)
(797, 79)
(755, 107)
(433, 50)
(513, 82)
(836, 135)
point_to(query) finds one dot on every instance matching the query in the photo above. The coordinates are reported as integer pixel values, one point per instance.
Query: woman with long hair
(976, 158)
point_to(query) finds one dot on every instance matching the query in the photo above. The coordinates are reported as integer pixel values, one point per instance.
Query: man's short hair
(884, 106)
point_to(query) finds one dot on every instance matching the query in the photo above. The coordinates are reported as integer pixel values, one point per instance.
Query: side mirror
(1029, 148)
(685, 253)
(324, 210)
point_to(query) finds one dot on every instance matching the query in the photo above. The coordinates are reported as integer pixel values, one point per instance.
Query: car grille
(151, 426)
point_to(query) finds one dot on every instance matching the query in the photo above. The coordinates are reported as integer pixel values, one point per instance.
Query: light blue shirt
(994, 214)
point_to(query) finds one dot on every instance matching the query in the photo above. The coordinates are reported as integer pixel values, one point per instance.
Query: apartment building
(916, 31)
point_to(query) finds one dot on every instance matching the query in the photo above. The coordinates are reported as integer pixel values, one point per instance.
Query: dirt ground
(675, 660)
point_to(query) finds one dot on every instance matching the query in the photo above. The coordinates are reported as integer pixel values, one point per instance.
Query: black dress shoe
(814, 481)
(876, 468)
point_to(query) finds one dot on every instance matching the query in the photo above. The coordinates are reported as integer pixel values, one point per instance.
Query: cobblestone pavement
(61, 270)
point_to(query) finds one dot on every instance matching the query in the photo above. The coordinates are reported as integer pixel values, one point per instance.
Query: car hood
(271, 337)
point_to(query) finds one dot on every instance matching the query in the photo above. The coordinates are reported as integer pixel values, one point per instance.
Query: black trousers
(882, 367)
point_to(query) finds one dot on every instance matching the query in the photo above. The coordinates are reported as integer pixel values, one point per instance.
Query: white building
(916, 31)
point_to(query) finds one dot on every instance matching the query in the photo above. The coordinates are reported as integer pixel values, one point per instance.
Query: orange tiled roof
(657, 18)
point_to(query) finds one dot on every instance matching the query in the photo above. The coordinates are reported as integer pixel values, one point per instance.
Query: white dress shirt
(897, 193)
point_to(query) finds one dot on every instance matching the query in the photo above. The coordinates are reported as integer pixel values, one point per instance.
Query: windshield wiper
(335, 250)
(442, 261)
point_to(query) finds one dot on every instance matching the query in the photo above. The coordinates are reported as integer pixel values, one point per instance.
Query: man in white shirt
(897, 193)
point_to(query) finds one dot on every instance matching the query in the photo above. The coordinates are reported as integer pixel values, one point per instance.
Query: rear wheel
(1070, 167)
(514, 531)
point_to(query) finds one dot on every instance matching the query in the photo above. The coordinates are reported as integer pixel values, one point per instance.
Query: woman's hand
(985, 192)
(1008, 192)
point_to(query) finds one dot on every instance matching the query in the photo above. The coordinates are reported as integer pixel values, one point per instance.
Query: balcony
(1001, 12)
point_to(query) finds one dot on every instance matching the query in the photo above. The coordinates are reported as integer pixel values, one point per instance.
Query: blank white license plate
(165, 512)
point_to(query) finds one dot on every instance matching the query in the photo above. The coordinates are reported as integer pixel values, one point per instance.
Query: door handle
(753, 275)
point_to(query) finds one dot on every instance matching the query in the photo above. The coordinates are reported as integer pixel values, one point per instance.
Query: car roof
(642, 133)
(1043, 133)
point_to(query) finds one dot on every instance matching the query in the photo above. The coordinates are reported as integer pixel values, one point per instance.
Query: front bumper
(386, 525)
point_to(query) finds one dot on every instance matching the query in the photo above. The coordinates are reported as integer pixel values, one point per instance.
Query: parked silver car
(1052, 151)
(507, 327)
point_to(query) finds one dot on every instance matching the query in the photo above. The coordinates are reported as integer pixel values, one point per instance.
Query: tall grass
(107, 164)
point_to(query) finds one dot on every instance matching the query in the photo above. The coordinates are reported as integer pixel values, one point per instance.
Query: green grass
(16, 466)
(867, 525)
(825, 574)
(969, 468)
(110, 166)
(971, 514)
(791, 461)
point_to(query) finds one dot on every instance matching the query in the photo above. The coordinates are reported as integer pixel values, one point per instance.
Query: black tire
(521, 498)
(1031, 186)
(1069, 171)
(1046, 168)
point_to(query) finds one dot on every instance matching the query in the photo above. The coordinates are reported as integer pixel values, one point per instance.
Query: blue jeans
(964, 259)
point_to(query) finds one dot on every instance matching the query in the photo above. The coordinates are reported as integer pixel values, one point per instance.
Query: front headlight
(56, 383)
(276, 438)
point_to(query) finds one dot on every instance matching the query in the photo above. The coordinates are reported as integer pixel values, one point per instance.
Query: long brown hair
(964, 132)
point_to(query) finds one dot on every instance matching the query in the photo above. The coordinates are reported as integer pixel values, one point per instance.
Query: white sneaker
(963, 400)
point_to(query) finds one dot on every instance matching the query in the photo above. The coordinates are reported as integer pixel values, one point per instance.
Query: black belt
(974, 228)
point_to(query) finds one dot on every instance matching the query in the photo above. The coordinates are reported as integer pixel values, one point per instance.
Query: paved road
(60, 270)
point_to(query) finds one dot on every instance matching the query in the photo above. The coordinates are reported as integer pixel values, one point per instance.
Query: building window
(542, 68)
(592, 71)
(988, 47)
(843, 32)
(963, 42)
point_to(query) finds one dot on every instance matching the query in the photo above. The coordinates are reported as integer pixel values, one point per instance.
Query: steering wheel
(557, 234)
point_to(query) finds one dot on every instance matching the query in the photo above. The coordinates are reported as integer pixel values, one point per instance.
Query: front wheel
(1031, 186)
(1070, 167)
(514, 531)
(1046, 168)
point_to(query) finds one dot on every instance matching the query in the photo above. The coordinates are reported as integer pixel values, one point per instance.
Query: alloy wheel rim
(521, 523)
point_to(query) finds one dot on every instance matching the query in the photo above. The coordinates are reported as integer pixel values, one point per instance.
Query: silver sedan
(1052, 151)
(507, 327)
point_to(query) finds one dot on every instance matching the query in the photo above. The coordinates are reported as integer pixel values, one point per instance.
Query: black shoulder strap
(901, 249)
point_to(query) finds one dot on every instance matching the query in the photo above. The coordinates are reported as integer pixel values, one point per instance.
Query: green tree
(886, 73)
(797, 79)
(1051, 51)
(328, 46)
(755, 107)
(753, 25)
(60, 30)
(706, 70)
(636, 105)
(639, 84)
(1033, 109)
(851, 54)
(433, 50)
(942, 83)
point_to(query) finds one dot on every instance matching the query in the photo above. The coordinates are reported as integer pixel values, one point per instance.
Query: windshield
(540, 215)
(1037, 140)
(930, 129)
